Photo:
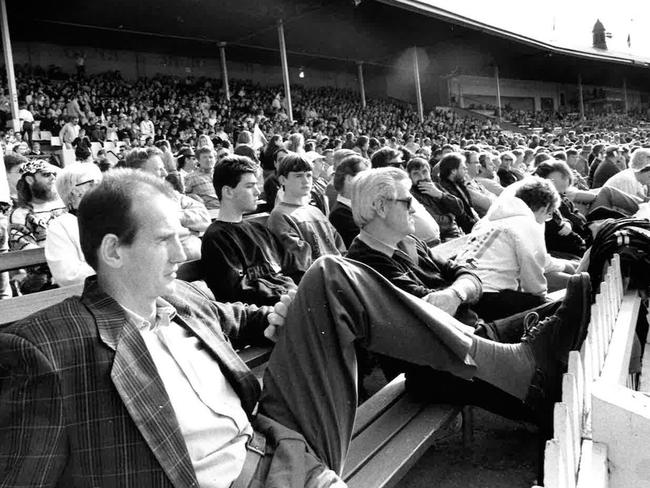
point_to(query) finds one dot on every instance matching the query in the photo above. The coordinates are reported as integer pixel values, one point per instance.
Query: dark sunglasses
(408, 201)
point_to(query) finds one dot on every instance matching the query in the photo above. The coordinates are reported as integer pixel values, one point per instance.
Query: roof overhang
(426, 8)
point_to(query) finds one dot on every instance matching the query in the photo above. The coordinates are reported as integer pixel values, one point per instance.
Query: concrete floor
(503, 454)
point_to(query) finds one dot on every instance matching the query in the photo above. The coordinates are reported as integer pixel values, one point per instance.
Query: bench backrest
(22, 259)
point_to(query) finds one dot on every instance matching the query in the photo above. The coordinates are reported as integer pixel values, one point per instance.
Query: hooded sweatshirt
(506, 249)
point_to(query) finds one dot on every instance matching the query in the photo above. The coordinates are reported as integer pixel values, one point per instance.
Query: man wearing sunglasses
(382, 207)
(38, 204)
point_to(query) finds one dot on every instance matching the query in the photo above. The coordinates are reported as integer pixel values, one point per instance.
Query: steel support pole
(496, 75)
(224, 70)
(627, 107)
(362, 88)
(9, 64)
(418, 88)
(285, 71)
(581, 98)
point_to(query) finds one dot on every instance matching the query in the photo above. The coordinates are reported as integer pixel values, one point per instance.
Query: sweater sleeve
(297, 251)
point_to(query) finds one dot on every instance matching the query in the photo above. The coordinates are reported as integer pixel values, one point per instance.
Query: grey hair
(72, 175)
(370, 186)
(639, 159)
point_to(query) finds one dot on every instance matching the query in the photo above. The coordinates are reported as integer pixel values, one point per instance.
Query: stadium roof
(327, 34)
(426, 7)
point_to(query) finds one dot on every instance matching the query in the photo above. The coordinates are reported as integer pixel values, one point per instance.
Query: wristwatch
(460, 294)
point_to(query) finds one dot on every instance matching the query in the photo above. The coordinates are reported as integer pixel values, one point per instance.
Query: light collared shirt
(212, 421)
(345, 201)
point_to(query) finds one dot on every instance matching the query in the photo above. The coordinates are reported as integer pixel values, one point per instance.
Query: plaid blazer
(81, 402)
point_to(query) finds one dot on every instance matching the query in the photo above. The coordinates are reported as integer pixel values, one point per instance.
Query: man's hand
(446, 300)
(276, 318)
(429, 188)
(565, 228)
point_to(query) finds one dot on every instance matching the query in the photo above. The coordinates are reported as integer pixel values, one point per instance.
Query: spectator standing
(26, 119)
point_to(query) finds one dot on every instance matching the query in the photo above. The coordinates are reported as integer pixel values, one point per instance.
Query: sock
(509, 367)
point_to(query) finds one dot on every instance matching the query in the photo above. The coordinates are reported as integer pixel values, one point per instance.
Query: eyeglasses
(408, 201)
(87, 182)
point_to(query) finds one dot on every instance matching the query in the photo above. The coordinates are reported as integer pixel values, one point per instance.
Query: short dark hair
(247, 151)
(382, 157)
(136, 158)
(229, 170)
(547, 167)
(108, 208)
(538, 193)
(416, 164)
(449, 163)
(349, 166)
(293, 162)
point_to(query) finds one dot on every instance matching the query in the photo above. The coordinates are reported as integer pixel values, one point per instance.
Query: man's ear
(283, 180)
(30, 179)
(226, 192)
(110, 251)
(379, 205)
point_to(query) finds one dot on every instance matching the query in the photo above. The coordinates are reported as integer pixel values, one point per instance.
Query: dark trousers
(310, 384)
(493, 306)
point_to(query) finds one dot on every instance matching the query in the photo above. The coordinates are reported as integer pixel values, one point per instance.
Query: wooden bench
(21, 259)
(391, 432)
(601, 425)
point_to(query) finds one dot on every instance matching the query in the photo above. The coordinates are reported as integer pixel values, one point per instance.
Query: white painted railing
(601, 426)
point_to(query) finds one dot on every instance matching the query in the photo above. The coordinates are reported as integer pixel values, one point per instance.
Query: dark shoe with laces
(550, 341)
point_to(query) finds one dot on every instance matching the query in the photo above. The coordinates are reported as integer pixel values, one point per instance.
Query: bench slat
(22, 259)
(17, 308)
(392, 462)
(378, 403)
(255, 355)
(364, 446)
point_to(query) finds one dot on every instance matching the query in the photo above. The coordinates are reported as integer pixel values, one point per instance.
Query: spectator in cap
(62, 246)
(636, 178)
(607, 168)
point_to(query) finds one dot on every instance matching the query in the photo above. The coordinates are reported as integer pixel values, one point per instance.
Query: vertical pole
(581, 98)
(9, 64)
(362, 88)
(224, 70)
(285, 70)
(627, 107)
(418, 88)
(496, 75)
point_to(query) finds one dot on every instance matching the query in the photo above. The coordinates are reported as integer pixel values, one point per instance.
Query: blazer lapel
(233, 368)
(136, 379)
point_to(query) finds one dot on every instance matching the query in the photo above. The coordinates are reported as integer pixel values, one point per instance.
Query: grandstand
(399, 76)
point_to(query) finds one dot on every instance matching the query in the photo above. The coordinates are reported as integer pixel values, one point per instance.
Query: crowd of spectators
(374, 185)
